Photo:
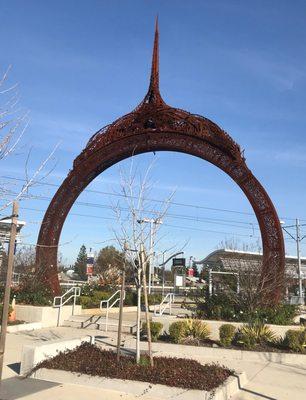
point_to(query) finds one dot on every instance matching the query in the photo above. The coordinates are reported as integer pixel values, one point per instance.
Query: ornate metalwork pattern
(155, 126)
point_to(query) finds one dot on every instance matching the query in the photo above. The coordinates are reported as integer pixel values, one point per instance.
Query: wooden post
(145, 293)
(7, 292)
(120, 313)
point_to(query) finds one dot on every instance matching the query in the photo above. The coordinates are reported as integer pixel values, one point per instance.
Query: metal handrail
(168, 300)
(60, 301)
(108, 306)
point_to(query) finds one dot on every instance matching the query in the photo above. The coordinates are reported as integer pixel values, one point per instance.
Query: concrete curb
(224, 392)
(47, 315)
(199, 352)
(33, 354)
(24, 327)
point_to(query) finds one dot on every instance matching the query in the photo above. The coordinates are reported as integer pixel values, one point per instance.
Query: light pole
(297, 238)
(153, 222)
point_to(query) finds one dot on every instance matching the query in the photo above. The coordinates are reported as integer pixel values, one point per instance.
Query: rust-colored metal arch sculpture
(155, 126)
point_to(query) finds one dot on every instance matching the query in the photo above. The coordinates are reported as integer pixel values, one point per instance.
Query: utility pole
(298, 252)
(297, 238)
(7, 292)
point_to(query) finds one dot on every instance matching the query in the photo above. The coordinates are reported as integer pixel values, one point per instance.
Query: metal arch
(155, 126)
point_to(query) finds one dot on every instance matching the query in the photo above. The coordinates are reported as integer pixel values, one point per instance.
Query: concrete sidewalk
(266, 380)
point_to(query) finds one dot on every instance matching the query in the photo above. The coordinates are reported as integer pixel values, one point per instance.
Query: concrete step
(98, 322)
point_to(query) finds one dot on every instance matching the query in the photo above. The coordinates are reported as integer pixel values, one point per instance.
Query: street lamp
(153, 222)
(297, 238)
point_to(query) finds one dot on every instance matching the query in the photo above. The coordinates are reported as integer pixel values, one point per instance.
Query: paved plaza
(267, 380)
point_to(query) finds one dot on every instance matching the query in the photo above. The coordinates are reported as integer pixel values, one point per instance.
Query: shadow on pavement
(18, 388)
(15, 367)
(260, 395)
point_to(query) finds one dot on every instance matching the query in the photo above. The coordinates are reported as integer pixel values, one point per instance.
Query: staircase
(99, 322)
(102, 322)
(171, 305)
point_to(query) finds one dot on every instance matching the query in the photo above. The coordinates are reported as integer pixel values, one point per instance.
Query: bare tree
(13, 125)
(255, 286)
(134, 236)
(235, 244)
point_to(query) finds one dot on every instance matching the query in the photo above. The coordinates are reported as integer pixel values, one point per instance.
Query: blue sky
(80, 65)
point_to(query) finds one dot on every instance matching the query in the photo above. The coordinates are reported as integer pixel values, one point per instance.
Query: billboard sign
(179, 262)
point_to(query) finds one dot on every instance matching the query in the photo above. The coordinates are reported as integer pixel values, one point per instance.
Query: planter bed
(138, 389)
(177, 372)
(34, 358)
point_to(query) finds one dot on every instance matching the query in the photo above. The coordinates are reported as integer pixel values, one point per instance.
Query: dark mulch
(16, 322)
(178, 372)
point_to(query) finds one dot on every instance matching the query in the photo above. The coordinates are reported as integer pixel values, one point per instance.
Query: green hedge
(222, 306)
(253, 334)
(227, 334)
(155, 328)
(295, 340)
(180, 330)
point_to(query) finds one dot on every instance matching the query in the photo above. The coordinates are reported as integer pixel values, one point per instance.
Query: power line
(215, 221)
(165, 224)
(153, 200)
(148, 199)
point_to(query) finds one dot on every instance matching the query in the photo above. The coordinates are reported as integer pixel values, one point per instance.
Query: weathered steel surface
(155, 126)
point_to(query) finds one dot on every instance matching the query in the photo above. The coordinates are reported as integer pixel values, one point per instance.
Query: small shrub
(227, 334)
(255, 333)
(86, 301)
(295, 340)
(93, 298)
(155, 328)
(229, 307)
(144, 361)
(282, 314)
(130, 299)
(199, 329)
(1, 311)
(180, 330)
(34, 293)
(153, 298)
(244, 339)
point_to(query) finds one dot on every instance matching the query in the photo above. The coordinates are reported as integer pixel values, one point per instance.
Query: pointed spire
(153, 95)
(154, 81)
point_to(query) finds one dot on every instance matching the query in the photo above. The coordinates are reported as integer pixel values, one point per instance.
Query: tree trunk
(144, 284)
(138, 316)
(120, 315)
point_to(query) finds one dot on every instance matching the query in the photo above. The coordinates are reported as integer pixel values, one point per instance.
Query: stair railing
(60, 301)
(111, 302)
(167, 302)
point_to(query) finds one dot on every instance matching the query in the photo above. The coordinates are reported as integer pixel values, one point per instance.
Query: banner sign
(89, 264)
(190, 272)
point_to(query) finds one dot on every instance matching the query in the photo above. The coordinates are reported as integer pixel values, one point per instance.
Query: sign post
(89, 264)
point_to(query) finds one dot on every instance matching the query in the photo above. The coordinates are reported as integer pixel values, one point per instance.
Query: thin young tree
(133, 208)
